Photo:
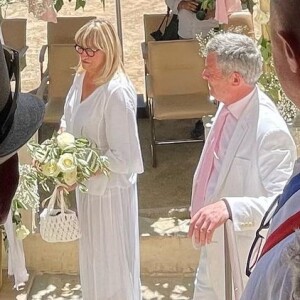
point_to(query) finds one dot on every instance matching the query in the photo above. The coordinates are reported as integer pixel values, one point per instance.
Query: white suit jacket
(277, 273)
(258, 162)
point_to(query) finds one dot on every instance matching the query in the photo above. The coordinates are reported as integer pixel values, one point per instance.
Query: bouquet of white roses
(65, 160)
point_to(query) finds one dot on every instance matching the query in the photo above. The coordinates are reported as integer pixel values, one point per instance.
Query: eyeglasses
(89, 52)
(256, 247)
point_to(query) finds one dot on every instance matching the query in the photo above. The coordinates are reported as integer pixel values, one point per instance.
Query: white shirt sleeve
(173, 5)
(124, 153)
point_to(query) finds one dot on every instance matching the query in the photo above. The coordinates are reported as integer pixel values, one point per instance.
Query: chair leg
(146, 92)
(153, 154)
(153, 138)
(153, 145)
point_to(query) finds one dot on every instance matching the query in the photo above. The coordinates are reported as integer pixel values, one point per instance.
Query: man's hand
(188, 5)
(206, 220)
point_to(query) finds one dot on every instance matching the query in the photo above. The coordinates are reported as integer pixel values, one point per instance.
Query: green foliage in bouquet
(26, 195)
(65, 160)
(25, 198)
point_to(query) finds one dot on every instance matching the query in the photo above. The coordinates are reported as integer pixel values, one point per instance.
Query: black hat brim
(27, 120)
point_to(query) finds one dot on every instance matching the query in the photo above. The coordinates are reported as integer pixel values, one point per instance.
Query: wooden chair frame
(175, 87)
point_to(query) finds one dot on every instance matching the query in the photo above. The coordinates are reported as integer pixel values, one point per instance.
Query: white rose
(65, 139)
(21, 232)
(70, 178)
(66, 163)
(50, 168)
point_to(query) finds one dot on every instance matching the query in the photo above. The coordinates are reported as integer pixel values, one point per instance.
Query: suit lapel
(247, 122)
(231, 151)
(207, 142)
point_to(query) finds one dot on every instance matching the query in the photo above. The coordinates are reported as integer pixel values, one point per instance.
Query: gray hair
(237, 53)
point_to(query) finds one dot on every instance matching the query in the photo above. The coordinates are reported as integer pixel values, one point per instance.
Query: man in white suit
(251, 157)
(277, 272)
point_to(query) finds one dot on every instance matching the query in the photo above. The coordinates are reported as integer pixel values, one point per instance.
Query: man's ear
(235, 78)
(290, 50)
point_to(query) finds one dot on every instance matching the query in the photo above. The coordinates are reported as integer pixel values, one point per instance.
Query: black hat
(20, 114)
(20, 117)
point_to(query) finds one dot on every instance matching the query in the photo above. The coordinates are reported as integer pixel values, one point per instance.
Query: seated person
(188, 23)
(188, 26)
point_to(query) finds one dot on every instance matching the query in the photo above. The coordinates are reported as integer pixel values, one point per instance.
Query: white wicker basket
(58, 224)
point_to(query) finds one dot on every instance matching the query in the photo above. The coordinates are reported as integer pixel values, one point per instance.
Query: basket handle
(61, 200)
(57, 195)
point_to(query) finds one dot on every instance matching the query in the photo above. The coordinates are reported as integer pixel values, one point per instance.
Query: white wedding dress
(108, 212)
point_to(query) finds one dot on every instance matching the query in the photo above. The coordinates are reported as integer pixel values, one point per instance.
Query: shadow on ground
(54, 286)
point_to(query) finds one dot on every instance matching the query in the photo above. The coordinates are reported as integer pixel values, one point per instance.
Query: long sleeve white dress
(108, 212)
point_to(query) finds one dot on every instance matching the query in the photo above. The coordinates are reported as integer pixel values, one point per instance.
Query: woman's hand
(68, 188)
(36, 164)
(71, 188)
(61, 130)
(188, 5)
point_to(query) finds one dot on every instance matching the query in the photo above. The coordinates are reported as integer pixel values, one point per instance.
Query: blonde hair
(100, 34)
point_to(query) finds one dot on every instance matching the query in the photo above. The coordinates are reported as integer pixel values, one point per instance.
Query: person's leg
(203, 289)
(198, 130)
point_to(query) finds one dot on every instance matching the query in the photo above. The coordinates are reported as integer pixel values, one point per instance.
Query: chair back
(63, 60)
(175, 68)
(63, 32)
(14, 36)
(175, 87)
(151, 24)
(241, 18)
(14, 33)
